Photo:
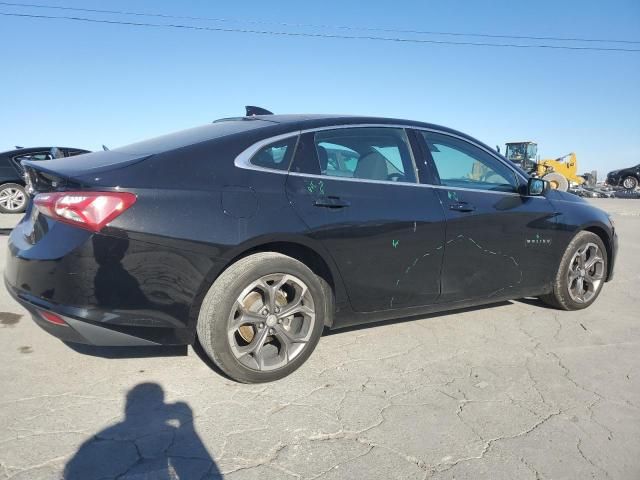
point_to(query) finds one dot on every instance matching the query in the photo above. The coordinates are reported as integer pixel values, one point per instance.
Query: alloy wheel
(629, 183)
(12, 199)
(586, 272)
(271, 322)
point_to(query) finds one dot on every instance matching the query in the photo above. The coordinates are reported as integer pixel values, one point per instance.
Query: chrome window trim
(360, 180)
(408, 184)
(243, 160)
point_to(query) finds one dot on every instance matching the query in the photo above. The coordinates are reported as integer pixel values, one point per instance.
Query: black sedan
(251, 235)
(628, 178)
(13, 197)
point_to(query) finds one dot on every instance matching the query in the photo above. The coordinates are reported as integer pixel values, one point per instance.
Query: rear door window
(367, 153)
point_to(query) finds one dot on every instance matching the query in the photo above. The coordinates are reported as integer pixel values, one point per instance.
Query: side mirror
(537, 186)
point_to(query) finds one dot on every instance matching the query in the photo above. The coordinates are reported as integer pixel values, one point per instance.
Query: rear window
(34, 156)
(73, 153)
(191, 136)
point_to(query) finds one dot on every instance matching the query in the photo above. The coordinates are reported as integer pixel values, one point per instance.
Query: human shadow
(155, 440)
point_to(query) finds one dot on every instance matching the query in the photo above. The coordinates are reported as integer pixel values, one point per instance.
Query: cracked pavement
(514, 390)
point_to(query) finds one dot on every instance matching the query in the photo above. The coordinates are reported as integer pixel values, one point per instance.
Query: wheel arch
(601, 232)
(300, 249)
(16, 181)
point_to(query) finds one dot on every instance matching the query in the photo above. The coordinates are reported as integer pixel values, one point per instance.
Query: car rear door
(499, 241)
(356, 190)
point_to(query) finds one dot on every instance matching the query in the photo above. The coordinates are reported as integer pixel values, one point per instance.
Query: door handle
(331, 202)
(461, 207)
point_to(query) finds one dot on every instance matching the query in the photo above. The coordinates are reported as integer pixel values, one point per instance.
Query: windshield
(522, 154)
(516, 152)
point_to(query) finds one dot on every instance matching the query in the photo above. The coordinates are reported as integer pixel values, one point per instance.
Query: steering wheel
(395, 177)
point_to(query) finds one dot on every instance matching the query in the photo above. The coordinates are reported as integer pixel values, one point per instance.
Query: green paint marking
(311, 187)
(321, 187)
(395, 243)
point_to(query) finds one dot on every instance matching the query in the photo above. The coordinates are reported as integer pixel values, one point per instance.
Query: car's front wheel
(581, 274)
(262, 317)
(13, 198)
(630, 183)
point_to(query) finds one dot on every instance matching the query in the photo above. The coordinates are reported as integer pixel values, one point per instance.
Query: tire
(563, 295)
(558, 182)
(242, 291)
(13, 198)
(629, 183)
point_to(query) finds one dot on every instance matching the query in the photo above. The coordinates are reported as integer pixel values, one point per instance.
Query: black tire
(217, 306)
(629, 183)
(15, 187)
(560, 297)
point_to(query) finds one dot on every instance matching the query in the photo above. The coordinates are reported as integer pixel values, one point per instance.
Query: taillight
(52, 318)
(90, 210)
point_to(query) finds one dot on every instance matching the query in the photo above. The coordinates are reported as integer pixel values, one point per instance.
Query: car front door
(356, 190)
(498, 239)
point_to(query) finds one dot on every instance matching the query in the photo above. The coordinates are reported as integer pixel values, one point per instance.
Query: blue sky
(78, 84)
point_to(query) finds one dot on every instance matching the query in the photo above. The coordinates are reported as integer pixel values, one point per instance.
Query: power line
(309, 25)
(316, 35)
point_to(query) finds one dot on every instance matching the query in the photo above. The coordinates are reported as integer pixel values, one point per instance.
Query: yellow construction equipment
(559, 172)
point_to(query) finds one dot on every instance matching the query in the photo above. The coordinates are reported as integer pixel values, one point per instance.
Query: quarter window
(460, 164)
(276, 155)
(369, 153)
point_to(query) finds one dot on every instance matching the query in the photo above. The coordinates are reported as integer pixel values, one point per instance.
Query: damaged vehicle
(627, 178)
(252, 235)
(13, 196)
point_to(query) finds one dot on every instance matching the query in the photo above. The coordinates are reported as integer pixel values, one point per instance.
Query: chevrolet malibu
(250, 235)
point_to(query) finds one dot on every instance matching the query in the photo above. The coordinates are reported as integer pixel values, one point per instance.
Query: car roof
(326, 120)
(311, 121)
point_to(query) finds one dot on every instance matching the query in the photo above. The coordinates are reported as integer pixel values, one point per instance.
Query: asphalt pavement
(511, 391)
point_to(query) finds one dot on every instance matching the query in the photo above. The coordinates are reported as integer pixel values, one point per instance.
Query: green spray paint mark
(313, 187)
(395, 243)
(452, 196)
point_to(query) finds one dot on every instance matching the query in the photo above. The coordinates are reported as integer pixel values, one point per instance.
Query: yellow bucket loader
(560, 173)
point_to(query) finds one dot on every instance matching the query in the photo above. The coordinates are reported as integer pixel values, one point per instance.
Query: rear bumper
(110, 290)
(75, 330)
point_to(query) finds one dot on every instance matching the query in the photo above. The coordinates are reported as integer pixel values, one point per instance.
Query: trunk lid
(74, 172)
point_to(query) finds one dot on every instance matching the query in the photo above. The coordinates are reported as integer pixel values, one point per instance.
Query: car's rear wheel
(262, 317)
(13, 198)
(581, 275)
(630, 183)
